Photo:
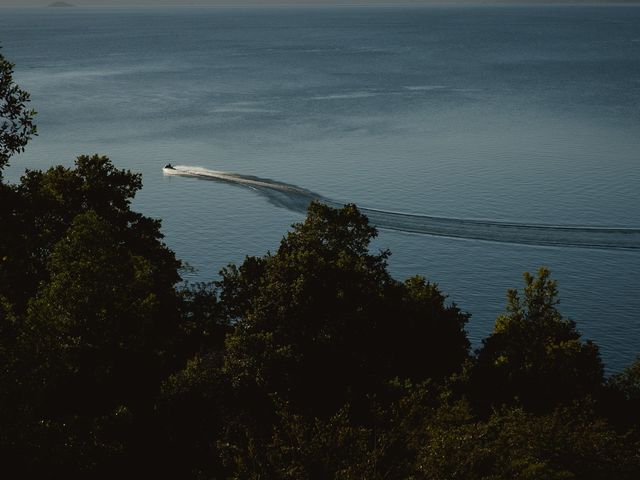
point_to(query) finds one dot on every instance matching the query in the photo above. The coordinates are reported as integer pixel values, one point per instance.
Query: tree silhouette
(16, 120)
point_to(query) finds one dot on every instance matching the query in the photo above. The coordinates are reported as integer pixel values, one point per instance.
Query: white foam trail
(298, 199)
(236, 178)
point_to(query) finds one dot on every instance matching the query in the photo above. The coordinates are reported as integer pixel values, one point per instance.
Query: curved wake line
(297, 199)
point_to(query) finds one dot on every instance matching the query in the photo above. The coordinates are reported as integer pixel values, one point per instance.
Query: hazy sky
(270, 2)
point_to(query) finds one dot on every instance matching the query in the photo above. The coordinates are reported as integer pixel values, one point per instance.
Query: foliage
(43, 206)
(627, 382)
(91, 321)
(193, 410)
(622, 398)
(534, 356)
(567, 443)
(427, 434)
(16, 120)
(322, 323)
(97, 319)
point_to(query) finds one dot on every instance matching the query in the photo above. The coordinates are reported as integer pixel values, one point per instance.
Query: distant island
(60, 4)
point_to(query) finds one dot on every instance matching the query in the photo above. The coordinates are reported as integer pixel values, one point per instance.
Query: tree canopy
(91, 312)
(534, 356)
(321, 321)
(310, 362)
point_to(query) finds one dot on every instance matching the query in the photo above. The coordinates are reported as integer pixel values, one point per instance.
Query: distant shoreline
(417, 4)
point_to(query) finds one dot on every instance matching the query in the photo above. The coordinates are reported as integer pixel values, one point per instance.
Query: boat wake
(297, 199)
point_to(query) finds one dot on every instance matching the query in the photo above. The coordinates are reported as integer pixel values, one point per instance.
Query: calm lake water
(523, 115)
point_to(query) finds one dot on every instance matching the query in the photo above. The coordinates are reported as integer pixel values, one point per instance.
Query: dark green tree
(16, 120)
(99, 319)
(622, 398)
(195, 402)
(321, 322)
(91, 321)
(16, 129)
(197, 405)
(534, 356)
(44, 206)
(97, 340)
(342, 447)
(568, 443)
(627, 382)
